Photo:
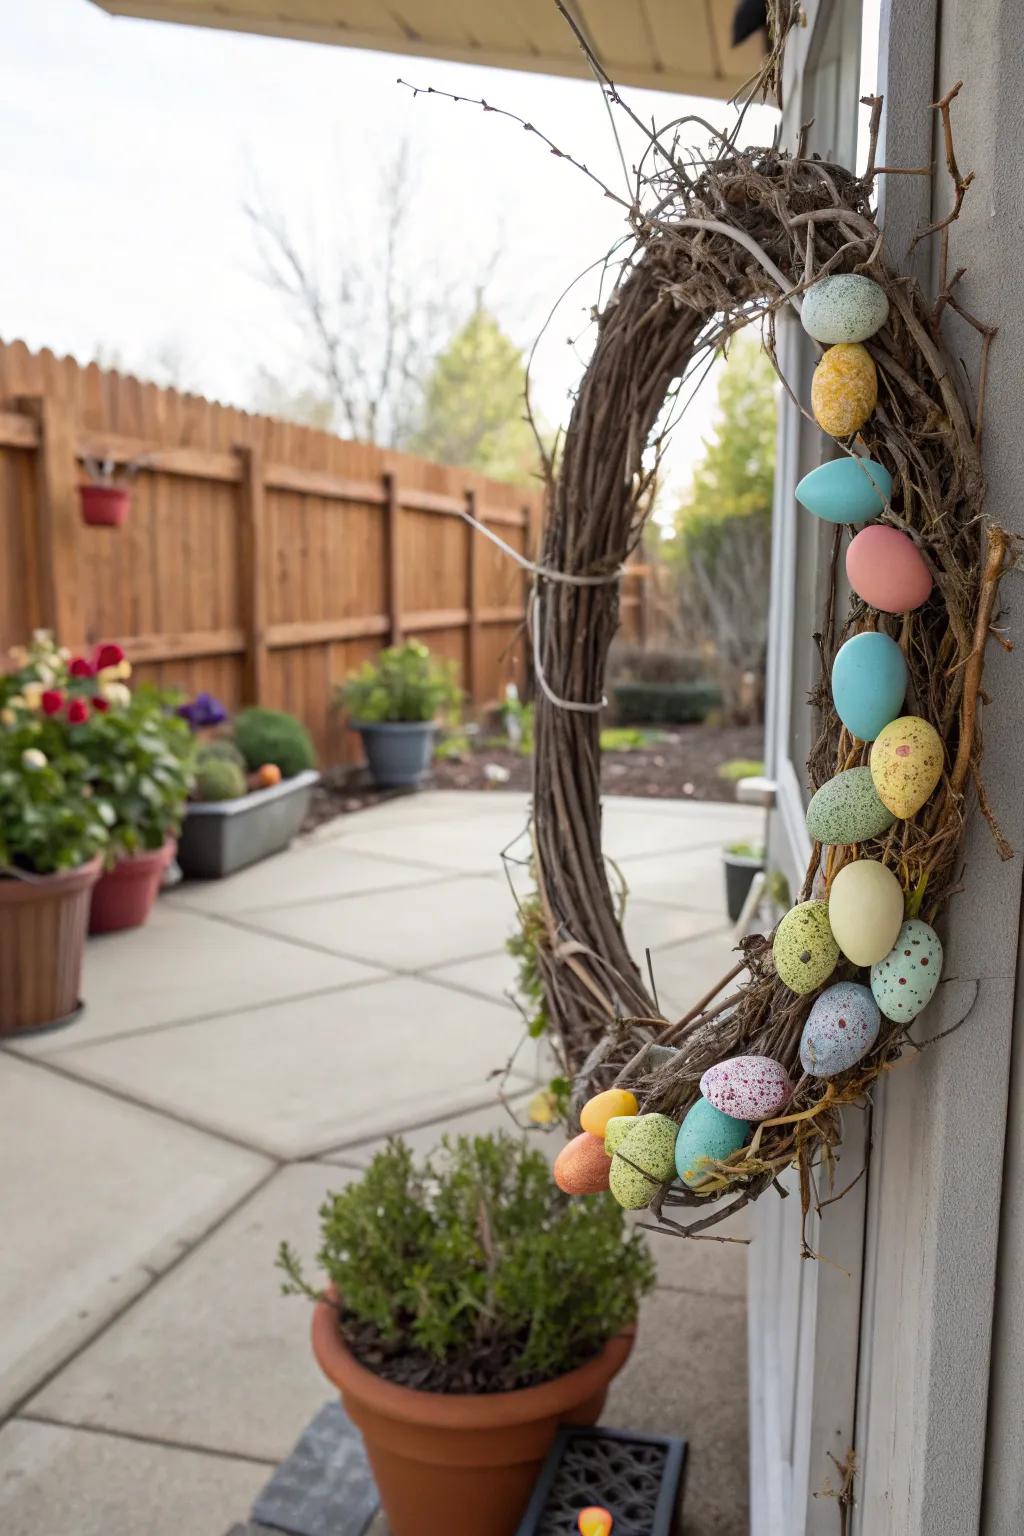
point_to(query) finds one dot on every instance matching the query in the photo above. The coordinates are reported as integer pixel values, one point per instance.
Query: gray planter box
(398, 752)
(220, 836)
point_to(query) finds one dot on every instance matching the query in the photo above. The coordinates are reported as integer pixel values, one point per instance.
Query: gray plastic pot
(398, 751)
(220, 836)
(740, 869)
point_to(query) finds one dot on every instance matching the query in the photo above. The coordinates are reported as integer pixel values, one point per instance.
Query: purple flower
(203, 711)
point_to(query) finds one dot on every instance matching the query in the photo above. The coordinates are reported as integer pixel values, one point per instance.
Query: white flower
(117, 695)
(33, 759)
(494, 773)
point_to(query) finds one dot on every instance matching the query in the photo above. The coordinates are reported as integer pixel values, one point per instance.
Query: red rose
(77, 712)
(107, 655)
(52, 701)
(100, 704)
(80, 667)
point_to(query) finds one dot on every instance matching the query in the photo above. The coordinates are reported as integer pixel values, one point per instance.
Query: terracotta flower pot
(43, 921)
(446, 1462)
(123, 897)
(104, 506)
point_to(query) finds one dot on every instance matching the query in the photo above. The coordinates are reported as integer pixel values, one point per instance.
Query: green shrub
(49, 818)
(219, 779)
(474, 1272)
(405, 683)
(272, 736)
(626, 738)
(664, 703)
(141, 762)
(740, 768)
(221, 747)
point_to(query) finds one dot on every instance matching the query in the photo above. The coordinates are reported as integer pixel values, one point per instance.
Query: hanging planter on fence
(106, 498)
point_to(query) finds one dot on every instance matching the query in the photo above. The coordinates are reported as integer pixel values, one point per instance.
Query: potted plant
(394, 703)
(253, 782)
(106, 496)
(52, 831)
(742, 862)
(470, 1308)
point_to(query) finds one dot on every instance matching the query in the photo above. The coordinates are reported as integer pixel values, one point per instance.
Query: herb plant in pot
(742, 862)
(394, 704)
(470, 1309)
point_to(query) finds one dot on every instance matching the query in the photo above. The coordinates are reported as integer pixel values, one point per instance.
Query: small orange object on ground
(594, 1521)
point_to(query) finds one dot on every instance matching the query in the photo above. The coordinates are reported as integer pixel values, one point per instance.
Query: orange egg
(594, 1521)
(582, 1167)
(268, 775)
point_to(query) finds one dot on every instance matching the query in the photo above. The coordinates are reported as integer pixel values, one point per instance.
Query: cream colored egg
(865, 910)
(906, 764)
(844, 390)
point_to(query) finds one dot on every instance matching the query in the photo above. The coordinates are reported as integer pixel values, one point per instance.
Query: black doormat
(325, 1487)
(635, 1477)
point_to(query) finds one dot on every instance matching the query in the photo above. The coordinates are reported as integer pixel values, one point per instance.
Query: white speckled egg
(747, 1087)
(905, 981)
(865, 910)
(804, 949)
(706, 1134)
(844, 307)
(841, 1028)
(847, 809)
(644, 1159)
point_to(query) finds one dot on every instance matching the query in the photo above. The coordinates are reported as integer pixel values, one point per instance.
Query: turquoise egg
(706, 1133)
(869, 681)
(846, 490)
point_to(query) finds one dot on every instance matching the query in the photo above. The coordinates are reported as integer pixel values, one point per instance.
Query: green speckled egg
(618, 1127)
(844, 307)
(804, 950)
(644, 1159)
(706, 1133)
(847, 809)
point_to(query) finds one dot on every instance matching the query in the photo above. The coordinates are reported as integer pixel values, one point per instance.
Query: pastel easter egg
(841, 1028)
(865, 910)
(583, 1167)
(850, 489)
(904, 982)
(706, 1133)
(847, 809)
(804, 949)
(886, 568)
(906, 764)
(643, 1160)
(869, 683)
(747, 1087)
(844, 307)
(844, 390)
(616, 1130)
(595, 1520)
(602, 1107)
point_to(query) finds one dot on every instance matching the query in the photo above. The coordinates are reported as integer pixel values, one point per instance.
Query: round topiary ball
(219, 779)
(221, 748)
(271, 736)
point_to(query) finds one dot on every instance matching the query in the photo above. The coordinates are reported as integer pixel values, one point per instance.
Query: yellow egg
(906, 764)
(605, 1106)
(865, 910)
(844, 390)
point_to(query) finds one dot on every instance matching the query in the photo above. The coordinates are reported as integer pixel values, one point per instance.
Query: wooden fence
(260, 560)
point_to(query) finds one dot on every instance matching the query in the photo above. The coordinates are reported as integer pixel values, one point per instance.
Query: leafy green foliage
(221, 747)
(140, 760)
(517, 718)
(523, 947)
(477, 1263)
(49, 818)
(405, 683)
(746, 850)
(272, 736)
(664, 703)
(740, 768)
(626, 738)
(218, 778)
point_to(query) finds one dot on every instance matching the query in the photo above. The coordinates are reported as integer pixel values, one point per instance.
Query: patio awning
(667, 45)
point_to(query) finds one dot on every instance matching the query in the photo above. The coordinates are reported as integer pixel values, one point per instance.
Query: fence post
(393, 557)
(56, 482)
(255, 572)
(473, 553)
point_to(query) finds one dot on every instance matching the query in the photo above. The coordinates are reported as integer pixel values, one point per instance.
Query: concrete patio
(241, 1055)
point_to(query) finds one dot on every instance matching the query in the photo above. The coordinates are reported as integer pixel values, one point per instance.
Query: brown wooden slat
(186, 646)
(18, 430)
(324, 631)
(435, 618)
(316, 482)
(255, 571)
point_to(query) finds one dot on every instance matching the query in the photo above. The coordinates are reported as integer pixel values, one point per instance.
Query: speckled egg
(869, 683)
(583, 1167)
(706, 1133)
(747, 1087)
(865, 910)
(844, 390)
(850, 489)
(906, 764)
(841, 1028)
(804, 949)
(602, 1107)
(844, 307)
(847, 809)
(904, 982)
(885, 567)
(643, 1160)
(617, 1128)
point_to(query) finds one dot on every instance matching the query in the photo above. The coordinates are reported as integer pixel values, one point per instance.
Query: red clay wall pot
(42, 934)
(104, 506)
(123, 897)
(445, 1463)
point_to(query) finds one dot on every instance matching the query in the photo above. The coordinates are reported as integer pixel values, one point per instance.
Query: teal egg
(706, 1133)
(869, 682)
(905, 981)
(847, 809)
(846, 490)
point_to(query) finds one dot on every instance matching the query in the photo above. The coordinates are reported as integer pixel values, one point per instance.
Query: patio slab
(99, 1197)
(303, 874)
(491, 975)
(423, 1139)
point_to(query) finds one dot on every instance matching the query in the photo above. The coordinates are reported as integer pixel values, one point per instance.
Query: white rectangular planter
(221, 836)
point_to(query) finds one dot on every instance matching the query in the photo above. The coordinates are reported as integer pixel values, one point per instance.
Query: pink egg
(887, 570)
(747, 1087)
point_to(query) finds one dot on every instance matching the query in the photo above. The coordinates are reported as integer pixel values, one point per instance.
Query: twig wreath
(720, 242)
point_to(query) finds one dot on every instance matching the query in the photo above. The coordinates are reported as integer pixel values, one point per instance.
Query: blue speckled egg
(841, 1028)
(905, 981)
(869, 681)
(846, 809)
(847, 490)
(844, 307)
(706, 1133)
